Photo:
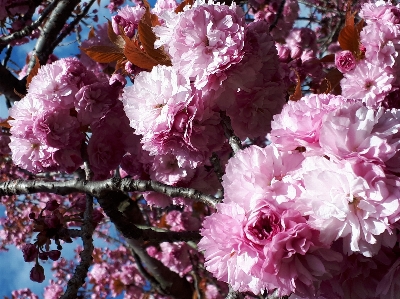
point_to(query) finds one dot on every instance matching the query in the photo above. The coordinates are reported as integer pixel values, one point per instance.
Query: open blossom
(299, 123)
(359, 132)
(264, 249)
(256, 173)
(353, 202)
(203, 40)
(370, 83)
(345, 61)
(32, 155)
(56, 84)
(162, 107)
(57, 128)
(128, 18)
(93, 101)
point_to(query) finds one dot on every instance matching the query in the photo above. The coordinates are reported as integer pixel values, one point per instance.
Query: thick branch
(28, 29)
(109, 203)
(59, 16)
(72, 25)
(99, 187)
(78, 279)
(9, 83)
(170, 282)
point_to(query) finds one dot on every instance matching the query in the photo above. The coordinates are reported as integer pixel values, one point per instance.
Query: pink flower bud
(116, 22)
(30, 252)
(345, 61)
(37, 274)
(54, 254)
(52, 205)
(43, 256)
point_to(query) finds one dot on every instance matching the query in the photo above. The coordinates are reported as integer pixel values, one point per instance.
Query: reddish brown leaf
(297, 95)
(98, 2)
(328, 58)
(349, 36)
(349, 39)
(92, 33)
(183, 4)
(118, 286)
(331, 83)
(163, 222)
(104, 54)
(120, 64)
(33, 72)
(5, 124)
(116, 39)
(135, 55)
(147, 39)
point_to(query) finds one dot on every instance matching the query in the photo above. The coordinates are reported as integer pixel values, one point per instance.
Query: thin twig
(233, 140)
(216, 163)
(278, 15)
(72, 25)
(78, 279)
(8, 55)
(28, 29)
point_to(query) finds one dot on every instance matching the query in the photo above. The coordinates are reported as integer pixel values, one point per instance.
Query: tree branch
(109, 203)
(9, 83)
(97, 188)
(278, 15)
(233, 140)
(78, 279)
(59, 16)
(72, 25)
(28, 29)
(170, 282)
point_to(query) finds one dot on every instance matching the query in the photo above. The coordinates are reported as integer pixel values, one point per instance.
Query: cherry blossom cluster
(316, 213)
(176, 109)
(65, 101)
(373, 77)
(326, 178)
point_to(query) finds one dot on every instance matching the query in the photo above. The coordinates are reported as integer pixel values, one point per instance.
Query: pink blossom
(147, 102)
(257, 173)
(68, 159)
(57, 128)
(228, 256)
(367, 82)
(203, 40)
(93, 101)
(57, 83)
(165, 169)
(172, 120)
(30, 252)
(24, 114)
(105, 151)
(53, 291)
(356, 205)
(32, 155)
(264, 249)
(299, 123)
(164, 5)
(356, 131)
(345, 61)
